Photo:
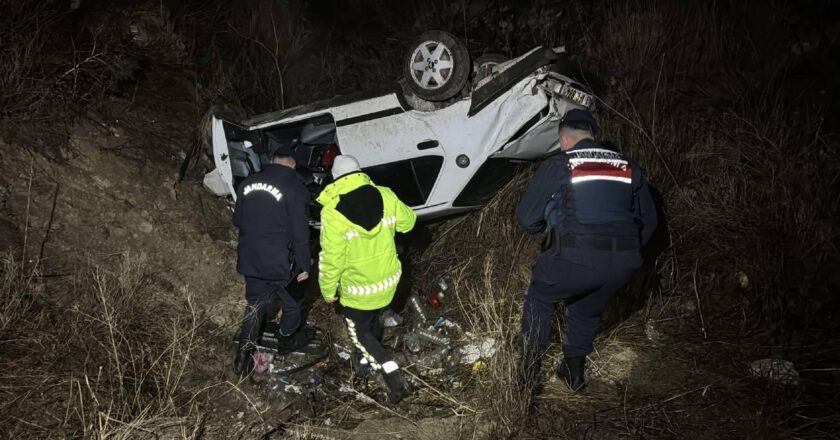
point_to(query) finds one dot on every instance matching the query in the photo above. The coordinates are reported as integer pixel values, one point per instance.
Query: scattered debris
(395, 341)
(743, 280)
(427, 346)
(438, 293)
(477, 366)
(342, 352)
(263, 361)
(430, 335)
(448, 323)
(418, 309)
(776, 370)
(412, 343)
(483, 348)
(293, 389)
(391, 319)
(431, 361)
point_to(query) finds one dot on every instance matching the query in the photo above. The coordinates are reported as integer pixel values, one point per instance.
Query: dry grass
(23, 36)
(106, 358)
(17, 294)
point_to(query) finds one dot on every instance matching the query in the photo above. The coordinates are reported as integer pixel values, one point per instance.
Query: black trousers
(582, 279)
(365, 331)
(260, 293)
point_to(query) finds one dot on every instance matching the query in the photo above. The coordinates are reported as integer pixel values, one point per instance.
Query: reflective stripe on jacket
(589, 190)
(363, 262)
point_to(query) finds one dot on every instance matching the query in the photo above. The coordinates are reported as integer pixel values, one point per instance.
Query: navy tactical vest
(597, 197)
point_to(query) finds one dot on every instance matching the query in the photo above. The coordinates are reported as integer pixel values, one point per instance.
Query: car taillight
(329, 155)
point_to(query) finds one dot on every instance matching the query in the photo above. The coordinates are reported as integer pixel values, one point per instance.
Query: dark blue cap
(280, 149)
(284, 150)
(580, 117)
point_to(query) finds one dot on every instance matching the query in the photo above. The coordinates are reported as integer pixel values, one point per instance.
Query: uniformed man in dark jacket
(596, 206)
(271, 214)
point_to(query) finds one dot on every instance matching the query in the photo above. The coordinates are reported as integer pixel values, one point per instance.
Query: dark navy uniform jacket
(598, 192)
(272, 216)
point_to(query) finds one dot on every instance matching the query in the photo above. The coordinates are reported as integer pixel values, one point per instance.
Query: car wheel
(485, 66)
(437, 66)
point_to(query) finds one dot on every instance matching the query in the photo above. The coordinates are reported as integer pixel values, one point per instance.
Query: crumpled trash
(483, 348)
(477, 366)
(262, 361)
(294, 389)
(776, 370)
(342, 351)
(742, 279)
(391, 319)
(412, 342)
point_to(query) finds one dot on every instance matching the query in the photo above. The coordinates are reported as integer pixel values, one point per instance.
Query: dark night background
(732, 107)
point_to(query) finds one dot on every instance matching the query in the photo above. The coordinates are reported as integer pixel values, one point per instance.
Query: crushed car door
(397, 150)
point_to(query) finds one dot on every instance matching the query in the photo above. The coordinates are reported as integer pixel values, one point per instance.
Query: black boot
(571, 371)
(243, 360)
(396, 386)
(297, 341)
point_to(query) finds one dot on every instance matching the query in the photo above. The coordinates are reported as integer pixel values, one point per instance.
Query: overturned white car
(439, 158)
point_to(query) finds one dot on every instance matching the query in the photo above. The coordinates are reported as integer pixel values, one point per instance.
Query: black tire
(432, 49)
(485, 65)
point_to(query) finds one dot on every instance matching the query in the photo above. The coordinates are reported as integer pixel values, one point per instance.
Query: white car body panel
(477, 138)
(221, 156)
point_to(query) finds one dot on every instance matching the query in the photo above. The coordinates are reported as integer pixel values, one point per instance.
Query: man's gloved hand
(303, 276)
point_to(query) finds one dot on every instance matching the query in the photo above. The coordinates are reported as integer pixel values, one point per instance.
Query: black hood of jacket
(362, 206)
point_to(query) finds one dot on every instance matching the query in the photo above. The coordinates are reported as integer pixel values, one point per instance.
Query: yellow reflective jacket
(363, 262)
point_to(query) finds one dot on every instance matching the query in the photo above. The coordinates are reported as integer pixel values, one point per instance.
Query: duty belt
(599, 243)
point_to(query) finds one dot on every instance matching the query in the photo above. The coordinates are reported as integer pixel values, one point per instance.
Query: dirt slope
(110, 194)
(116, 190)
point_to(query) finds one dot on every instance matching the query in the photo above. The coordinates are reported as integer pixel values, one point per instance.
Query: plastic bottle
(433, 337)
(418, 308)
(412, 342)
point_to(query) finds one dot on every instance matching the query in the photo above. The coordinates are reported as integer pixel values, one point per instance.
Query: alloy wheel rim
(431, 65)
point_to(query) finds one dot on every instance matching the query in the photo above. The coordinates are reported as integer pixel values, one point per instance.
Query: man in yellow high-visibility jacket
(359, 257)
